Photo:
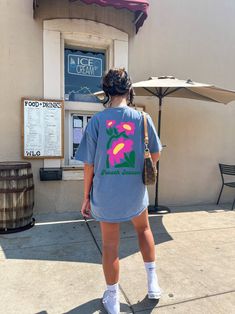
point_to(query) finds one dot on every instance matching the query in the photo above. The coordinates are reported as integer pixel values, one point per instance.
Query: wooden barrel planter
(16, 196)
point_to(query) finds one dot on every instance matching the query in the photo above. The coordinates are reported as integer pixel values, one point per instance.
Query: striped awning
(138, 7)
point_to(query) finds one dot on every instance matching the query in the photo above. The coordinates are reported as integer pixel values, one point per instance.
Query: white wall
(190, 39)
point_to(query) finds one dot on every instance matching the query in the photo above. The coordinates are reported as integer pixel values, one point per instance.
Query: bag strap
(146, 137)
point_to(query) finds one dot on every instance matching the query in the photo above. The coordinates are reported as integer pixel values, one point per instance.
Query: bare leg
(147, 248)
(110, 250)
(145, 236)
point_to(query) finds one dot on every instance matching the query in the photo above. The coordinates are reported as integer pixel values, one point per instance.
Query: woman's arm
(88, 178)
(155, 157)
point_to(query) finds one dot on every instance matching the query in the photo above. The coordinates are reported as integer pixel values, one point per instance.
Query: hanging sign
(84, 65)
(42, 128)
(83, 72)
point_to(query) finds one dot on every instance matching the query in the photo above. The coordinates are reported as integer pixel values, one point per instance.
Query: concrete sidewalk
(55, 267)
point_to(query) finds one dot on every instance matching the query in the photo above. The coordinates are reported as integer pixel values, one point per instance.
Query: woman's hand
(86, 208)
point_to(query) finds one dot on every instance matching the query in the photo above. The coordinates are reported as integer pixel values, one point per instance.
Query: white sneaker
(156, 294)
(111, 302)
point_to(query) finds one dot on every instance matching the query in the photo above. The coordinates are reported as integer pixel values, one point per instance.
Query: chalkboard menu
(42, 128)
(83, 72)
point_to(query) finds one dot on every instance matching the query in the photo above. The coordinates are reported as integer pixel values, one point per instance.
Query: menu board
(42, 130)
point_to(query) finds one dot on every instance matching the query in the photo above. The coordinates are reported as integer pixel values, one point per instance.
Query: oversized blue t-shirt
(113, 142)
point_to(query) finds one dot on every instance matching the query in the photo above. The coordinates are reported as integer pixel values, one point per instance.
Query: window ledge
(73, 173)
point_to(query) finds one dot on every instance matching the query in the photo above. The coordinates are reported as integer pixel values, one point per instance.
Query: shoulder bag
(149, 171)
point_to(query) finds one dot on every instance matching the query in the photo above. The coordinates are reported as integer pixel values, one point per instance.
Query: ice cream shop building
(53, 55)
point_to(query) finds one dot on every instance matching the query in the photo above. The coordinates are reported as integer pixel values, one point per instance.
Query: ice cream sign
(84, 65)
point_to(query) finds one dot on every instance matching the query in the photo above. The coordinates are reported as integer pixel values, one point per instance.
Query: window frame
(80, 34)
(79, 108)
(74, 162)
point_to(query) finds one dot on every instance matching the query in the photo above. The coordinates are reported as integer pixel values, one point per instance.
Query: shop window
(78, 123)
(76, 53)
(83, 71)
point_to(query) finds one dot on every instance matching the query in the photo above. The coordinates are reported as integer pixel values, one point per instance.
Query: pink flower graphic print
(110, 123)
(119, 147)
(127, 127)
(120, 152)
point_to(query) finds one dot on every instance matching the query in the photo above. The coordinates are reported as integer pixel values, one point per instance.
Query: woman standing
(112, 149)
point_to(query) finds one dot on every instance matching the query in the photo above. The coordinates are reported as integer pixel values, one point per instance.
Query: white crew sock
(113, 288)
(153, 285)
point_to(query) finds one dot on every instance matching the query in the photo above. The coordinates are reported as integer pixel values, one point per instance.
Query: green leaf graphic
(124, 164)
(127, 158)
(111, 131)
(107, 162)
(124, 135)
(109, 142)
(132, 158)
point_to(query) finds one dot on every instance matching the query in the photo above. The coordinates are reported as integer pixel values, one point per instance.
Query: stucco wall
(182, 38)
(21, 74)
(190, 39)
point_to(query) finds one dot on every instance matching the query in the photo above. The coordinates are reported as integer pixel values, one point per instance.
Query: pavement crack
(189, 300)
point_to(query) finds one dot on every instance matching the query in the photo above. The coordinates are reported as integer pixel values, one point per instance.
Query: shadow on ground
(66, 237)
(96, 306)
(71, 241)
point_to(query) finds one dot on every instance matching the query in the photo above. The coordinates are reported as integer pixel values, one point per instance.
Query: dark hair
(117, 82)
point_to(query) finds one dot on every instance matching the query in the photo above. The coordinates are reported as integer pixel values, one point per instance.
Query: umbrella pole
(158, 163)
(156, 208)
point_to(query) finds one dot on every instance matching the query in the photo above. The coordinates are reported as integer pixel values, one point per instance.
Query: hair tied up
(117, 82)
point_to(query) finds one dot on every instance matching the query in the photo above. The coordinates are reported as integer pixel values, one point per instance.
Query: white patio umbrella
(169, 86)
